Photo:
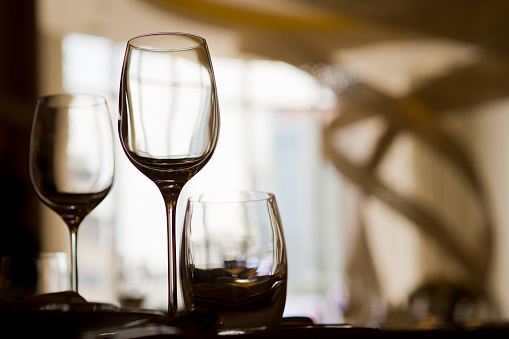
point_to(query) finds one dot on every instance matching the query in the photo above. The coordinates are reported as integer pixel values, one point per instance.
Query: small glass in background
(24, 275)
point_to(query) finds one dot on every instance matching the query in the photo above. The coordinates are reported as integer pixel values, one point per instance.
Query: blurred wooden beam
(466, 87)
(483, 23)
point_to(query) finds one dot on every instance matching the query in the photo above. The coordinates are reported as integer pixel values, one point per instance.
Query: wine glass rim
(96, 99)
(201, 40)
(229, 197)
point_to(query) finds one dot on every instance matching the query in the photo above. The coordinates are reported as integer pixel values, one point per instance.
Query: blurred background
(379, 125)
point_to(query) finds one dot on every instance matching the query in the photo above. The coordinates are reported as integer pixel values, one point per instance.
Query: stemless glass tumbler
(233, 259)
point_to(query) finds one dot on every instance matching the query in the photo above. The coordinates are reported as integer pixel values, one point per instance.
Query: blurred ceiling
(353, 23)
(324, 31)
(483, 23)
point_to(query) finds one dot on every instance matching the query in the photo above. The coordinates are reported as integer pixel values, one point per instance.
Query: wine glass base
(242, 331)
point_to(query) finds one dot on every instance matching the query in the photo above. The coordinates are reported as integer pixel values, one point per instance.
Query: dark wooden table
(88, 326)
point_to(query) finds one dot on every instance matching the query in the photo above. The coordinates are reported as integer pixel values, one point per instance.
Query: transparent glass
(233, 259)
(72, 159)
(24, 275)
(169, 119)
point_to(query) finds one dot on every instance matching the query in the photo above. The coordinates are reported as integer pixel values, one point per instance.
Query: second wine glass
(72, 161)
(169, 119)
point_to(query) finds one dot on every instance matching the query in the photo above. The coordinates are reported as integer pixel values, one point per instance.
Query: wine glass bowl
(72, 158)
(233, 260)
(169, 118)
(169, 114)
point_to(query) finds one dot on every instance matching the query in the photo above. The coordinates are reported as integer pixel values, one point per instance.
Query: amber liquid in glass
(244, 302)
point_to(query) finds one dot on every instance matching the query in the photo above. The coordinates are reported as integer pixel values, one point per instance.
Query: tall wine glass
(169, 119)
(72, 159)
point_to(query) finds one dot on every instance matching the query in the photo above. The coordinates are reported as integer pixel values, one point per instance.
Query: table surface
(147, 324)
(68, 326)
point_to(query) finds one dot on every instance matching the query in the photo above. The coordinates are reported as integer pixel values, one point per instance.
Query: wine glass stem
(74, 260)
(170, 194)
(172, 261)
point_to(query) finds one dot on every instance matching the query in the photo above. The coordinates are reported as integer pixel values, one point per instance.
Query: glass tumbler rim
(200, 42)
(229, 197)
(40, 254)
(57, 100)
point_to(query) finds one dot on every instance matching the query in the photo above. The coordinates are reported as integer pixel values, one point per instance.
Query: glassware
(72, 161)
(169, 119)
(233, 259)
(24, 275)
